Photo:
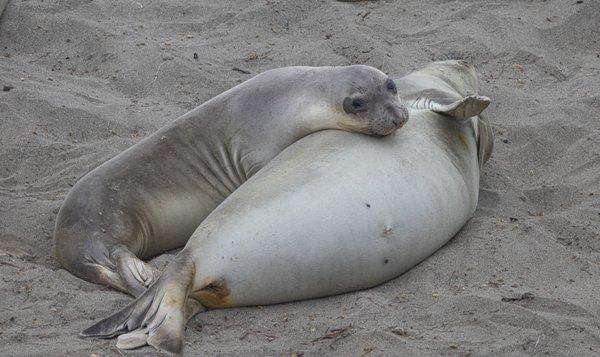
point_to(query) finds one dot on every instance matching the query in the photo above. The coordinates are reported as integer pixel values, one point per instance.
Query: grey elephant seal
(151, 197)
(334, 212)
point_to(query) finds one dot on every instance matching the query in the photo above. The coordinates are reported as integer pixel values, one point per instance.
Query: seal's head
(354, 98)
(370, 103)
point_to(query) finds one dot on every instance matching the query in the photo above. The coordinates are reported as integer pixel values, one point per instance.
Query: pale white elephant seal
(335, 212)
(151, 197)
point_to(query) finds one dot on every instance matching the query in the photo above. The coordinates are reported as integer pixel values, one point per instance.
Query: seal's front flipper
(447, 103)
(445, 87)
(157, 317)
(463, 108)
(485, 140)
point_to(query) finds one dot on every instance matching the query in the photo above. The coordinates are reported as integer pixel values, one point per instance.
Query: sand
(83, 80)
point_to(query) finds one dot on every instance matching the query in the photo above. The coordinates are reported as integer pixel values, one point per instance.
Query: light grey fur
(151, 197)
(334, 212)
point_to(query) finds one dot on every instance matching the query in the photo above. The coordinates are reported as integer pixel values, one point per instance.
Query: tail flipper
(135, 274)
(102, 261)
(157, 317)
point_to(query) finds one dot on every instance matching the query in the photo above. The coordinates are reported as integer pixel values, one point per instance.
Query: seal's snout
(391, 118)
(401, 115)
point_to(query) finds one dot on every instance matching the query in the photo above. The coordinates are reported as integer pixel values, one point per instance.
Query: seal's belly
(341, 244)
(337, 221)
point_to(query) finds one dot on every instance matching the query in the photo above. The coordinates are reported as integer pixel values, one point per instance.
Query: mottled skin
(151, 197)
(334, 212)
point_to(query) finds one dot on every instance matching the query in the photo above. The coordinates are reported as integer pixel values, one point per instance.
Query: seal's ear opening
(485, 140)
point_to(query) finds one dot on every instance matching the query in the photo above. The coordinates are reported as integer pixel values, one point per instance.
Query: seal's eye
(391, 86)
(354, 105)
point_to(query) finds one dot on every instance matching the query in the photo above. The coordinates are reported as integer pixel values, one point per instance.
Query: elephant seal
(334, 212)
(151, 197)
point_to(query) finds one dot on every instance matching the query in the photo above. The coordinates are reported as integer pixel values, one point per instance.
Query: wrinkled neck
(273, 121)
(243, 129)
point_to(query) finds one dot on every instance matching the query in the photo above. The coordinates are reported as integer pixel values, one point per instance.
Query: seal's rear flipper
(101, 261)
(464, 108)
(135, 274)
(157, 317)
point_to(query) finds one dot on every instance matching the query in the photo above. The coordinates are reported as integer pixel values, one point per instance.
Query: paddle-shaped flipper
(135, 275)
(447, 103)
(485, 140)
(449, 88)
(157, 317)
(463, 108)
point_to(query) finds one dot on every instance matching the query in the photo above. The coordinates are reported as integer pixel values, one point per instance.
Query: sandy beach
(83, 80)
